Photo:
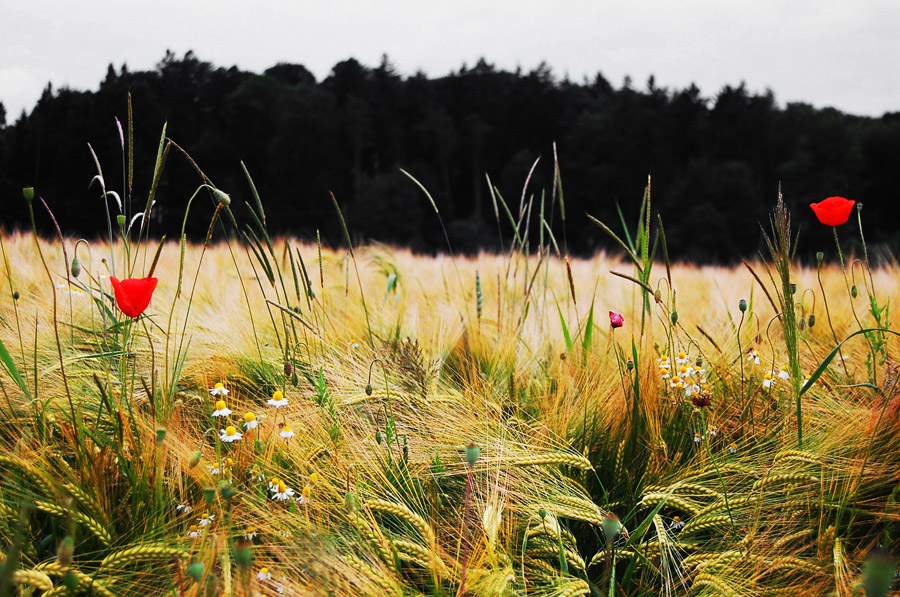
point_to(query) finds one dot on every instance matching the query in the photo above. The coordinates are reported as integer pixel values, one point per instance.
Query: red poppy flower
(616, 320)
(133, 294)
(833, 211)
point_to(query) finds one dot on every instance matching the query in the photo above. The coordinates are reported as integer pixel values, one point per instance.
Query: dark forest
(716, 162)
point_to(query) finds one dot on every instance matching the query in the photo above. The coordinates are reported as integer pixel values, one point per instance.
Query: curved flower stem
(828, 316)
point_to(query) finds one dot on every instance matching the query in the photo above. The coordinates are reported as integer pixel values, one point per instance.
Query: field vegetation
(286, 418)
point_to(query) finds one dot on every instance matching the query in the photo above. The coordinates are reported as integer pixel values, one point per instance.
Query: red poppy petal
(833, 211)
(133, 294)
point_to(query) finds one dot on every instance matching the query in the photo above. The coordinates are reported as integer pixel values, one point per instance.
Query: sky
(824, 52)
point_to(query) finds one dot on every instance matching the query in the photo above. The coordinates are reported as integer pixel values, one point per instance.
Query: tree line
(716, 162)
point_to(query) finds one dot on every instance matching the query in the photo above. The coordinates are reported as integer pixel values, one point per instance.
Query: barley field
(290, 419)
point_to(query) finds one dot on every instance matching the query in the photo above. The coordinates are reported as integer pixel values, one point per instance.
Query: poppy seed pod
(28, 192)
(611, 527)
(195, 570)
(820, 256)
(350, 502)
(472, 453)
(542, 513)
(65, 552)
(222, 197)
(76, 267)
(209, 494)
(120, 220)
(243, 554)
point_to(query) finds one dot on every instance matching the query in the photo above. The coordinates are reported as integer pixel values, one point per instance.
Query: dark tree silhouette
(716, 162)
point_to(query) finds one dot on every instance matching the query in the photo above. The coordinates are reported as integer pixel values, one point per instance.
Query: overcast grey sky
(839, 53)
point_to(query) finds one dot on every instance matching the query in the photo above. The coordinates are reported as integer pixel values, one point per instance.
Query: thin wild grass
(291, 418)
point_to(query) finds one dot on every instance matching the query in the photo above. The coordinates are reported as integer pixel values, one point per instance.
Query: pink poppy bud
(616, 320)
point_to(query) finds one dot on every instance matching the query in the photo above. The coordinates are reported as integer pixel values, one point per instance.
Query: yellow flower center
(676, 518)
(249, 417)
(681, 355)
(277, 395)
(229, 462)
(313, 478)
(665, 371)
(287, 428)
(784, 367)
(219, 385)
(768, 376)
(307, 492)
(230, 430)
(220, 405)
(263, 570)
(281, 487)
(194, 528)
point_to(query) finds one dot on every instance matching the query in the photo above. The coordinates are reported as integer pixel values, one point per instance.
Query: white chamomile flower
(698, 438)
(284, 492)
(183, 508)
(219, 390)
(753, 357)
(277, 400)
(250, 534)
(304, 495)
(732, 448)
(682, 358)
(263, 574)
(713, 430)
(195, 531)
(663, 362)
(665, 373)
(286, 432)
(250, 421)
(768, 380)
(806, 382)
(677, 524)
(783, 373)
(221, 409)
(207, 518)
(229, 434)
